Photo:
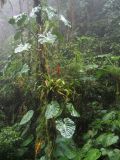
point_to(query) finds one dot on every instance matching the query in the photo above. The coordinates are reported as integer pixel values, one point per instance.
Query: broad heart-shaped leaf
(93, 154)
(66, 127)
(47, 38)
(27, 117)
(72, 110)
(53, 110)
(107, 139)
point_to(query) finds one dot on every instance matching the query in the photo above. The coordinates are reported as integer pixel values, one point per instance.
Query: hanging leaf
(66, 127)
(65, 21)
(47, 38)
(93, 154)
(53, 110)
(22, 48)
(27, 117)
(72, 110)
(107, 139)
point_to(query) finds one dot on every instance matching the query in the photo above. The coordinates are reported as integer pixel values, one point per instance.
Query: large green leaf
(66, 127)
(27, 117)
(53, 110)
(72, 110)
(93, 154)
(112, 154)
(107, 139)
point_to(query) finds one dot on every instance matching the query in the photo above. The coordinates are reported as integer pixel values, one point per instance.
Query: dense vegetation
(60, 86)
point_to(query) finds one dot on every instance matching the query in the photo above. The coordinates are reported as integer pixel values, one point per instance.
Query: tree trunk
(40, 48)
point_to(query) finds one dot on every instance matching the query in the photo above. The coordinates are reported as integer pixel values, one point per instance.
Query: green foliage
(75, 102)
(9, 138)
